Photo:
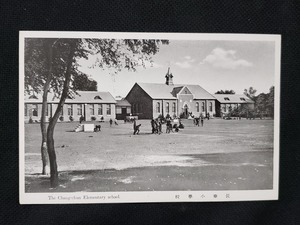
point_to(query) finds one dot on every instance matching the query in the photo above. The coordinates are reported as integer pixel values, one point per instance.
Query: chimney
(169, 78)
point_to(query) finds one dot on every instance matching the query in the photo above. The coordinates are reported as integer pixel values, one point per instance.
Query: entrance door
(186, 111)
(124, 111)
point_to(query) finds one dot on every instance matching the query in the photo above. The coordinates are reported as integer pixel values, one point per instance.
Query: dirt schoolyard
(221, 155)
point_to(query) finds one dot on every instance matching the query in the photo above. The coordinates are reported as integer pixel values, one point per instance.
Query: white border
(143, 196)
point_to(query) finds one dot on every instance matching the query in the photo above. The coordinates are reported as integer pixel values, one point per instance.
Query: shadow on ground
(222, 171)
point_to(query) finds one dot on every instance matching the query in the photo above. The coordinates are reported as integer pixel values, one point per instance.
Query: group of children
(156, 125)
(200, 119)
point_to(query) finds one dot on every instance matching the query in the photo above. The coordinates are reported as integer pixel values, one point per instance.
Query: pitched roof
(158, 91)
(163, 91)
(82, 97)
(123, 102)
(199, 92)
(233, 98)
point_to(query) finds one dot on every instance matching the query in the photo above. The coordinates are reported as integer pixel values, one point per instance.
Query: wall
(141, 103)
(75, 114)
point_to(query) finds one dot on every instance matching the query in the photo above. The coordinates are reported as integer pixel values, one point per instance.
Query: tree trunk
(50, 131)
(44, 152)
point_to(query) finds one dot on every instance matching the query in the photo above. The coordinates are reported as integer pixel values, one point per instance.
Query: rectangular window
(202, 107)
(62, 111)
(210, 107)
(174, 107)
(35, 110)
(92, 109)
(70, 110)
(26, 110)
(108, 109)
(79, 109)
(100, 110)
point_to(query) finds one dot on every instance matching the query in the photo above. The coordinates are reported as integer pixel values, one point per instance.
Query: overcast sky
(214, 65)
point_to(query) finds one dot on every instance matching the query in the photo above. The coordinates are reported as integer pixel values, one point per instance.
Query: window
(224, 108)
(35, 110)
(92, 109)
(97, 97)
(62, 111)
(108, 109)
(202, 107)
(79, 109)
(243, 99)
(158, 107)
(100, 110)
(26, 110)
(174, 107)
(70, 110)
(197, 106)
(226, 99)
(210, 107)
(167, 107)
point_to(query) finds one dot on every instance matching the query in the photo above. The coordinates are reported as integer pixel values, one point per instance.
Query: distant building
(226, 101)
(123, 109)
(87, 104)
(149, 100)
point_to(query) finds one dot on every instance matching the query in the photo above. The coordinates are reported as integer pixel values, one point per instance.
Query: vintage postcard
(148, 117)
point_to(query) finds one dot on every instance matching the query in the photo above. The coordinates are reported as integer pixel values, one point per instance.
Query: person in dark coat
(202, 119)
(153, 126)
(136, 128)
(110, 122)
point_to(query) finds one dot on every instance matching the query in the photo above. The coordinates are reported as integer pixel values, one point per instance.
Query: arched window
(197, 106)
(174, 107)
(167, 107)
(158, 107)
(202, 107)
(210, 107)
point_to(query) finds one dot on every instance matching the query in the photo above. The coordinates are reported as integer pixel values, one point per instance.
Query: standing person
(197, 121)
(159, 127)
(136, 128)
(153, 126)
(81, 119)
(110, 122)
(201, 118)
(208, 116)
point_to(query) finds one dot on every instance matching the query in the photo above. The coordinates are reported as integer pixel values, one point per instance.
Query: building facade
(89, 104)
(150, 100)
(227, 102)
(123, 109)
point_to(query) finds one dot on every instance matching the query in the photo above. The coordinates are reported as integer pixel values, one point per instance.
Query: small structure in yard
(123, 109)
(85, 128)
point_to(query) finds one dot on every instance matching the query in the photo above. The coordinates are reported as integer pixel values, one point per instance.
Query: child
(136, 128)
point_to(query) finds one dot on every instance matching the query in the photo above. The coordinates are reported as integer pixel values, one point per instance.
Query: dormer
(97, 97)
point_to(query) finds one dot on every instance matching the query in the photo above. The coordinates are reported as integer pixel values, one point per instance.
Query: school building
(149, 100)
(89, 104)
(226, 101)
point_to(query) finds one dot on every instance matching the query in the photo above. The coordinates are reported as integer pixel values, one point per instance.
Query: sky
(214, 65)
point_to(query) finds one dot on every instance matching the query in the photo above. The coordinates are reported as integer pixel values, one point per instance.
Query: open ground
(221, 155)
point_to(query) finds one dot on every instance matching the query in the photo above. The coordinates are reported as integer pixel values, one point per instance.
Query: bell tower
(169, 78)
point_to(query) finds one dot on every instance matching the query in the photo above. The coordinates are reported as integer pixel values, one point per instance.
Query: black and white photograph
(148, 117)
